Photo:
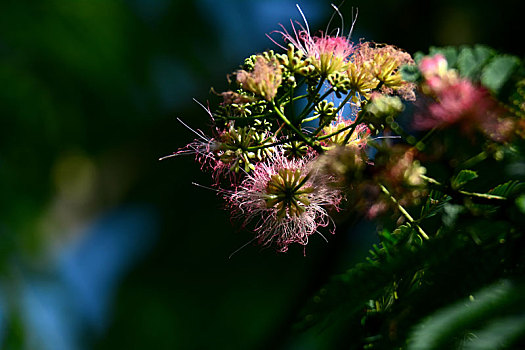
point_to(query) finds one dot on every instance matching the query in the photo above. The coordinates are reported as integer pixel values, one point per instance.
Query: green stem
(326, 94)
(309, 119)
(354, 125)
(285, 98)
(292, 109)
(321, 126)
(474, 160)
(309, 107)
(405, 213)
(291, 126)
(447, 189)
(324, 137)
(483, 195)
(260, 116)
(431, 180)
(277, 143)
(342, 104)
(420, 145)
(299, 97)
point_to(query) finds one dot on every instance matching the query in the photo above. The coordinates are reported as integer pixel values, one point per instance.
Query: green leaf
(434, 204)
(471, 61)
(498, 71)
(498, 334)
(410, 73)
(520, 203)
(418, 56)
(408, 236)
(483, 53)
(453, 323)
(462, 178)
(402, 231)
(508, 188)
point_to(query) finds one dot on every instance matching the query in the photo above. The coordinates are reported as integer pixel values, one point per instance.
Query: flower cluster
(265, 153)
(301, 129)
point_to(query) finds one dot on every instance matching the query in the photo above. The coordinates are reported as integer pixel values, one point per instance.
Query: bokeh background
(102, 246)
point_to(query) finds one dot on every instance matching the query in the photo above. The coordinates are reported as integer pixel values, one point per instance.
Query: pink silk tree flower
(379, 65)
(463, 104)
(436, 74)
(227, 154)
(358, 138)
(207, 151)
(204, 148)
(327, 53)
(433, 66)
(264, 79)
(285, 200)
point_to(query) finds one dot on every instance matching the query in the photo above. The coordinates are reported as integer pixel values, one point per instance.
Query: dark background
(102, 246)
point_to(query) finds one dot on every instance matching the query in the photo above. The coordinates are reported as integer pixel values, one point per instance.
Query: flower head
(264, 79)
(231, 151)
(231, 97)
(237, 148)
(461, 103)
(361, 78)
(347, 164)
(205, 149)
(455, 101)
(436, 74)
(396, 169)
(399, 170)
(286, 200)
(380, 109)
(327, 53)
(383, 62)
(433, 66)
(340, 130)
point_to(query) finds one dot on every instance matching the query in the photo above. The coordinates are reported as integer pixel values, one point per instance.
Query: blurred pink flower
(436, 74)
(433, 66)
(462, 103)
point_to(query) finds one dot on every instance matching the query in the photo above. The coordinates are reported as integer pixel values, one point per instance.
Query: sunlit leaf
(463, 177)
